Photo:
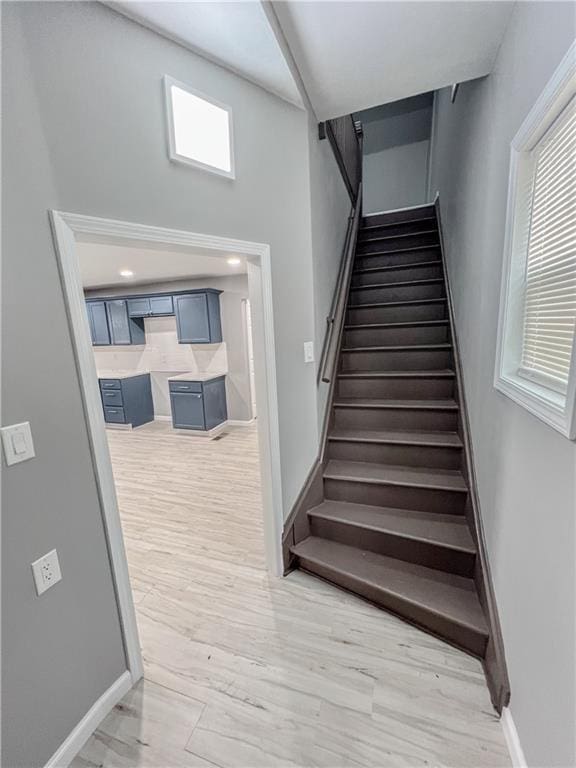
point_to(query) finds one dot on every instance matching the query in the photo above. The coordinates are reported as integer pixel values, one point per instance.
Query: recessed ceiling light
(233, 261)
(126, 273)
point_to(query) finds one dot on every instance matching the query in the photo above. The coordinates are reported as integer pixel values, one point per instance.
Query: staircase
(392, 526)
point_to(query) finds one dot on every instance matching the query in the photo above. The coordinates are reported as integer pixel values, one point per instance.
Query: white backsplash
(165, 356)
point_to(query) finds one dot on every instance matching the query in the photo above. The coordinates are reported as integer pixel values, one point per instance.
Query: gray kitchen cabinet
(198, 405)
(123, 328)
(127, 400)
(98, 322)
(198, 317)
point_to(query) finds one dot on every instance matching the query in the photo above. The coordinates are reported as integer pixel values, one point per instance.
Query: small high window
(536, 361)
(199, 129)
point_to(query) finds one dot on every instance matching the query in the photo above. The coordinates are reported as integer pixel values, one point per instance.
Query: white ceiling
(234, 34)
(356, 55)
(100, 264)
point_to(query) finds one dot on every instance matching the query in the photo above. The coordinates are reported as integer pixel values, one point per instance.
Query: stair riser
(394, 259)
(409, 360)
(407, 313)
(398, 496)
(463, 637)
(412, 334)
(378, 295)
(396, 454)
(394, 243)
(420, 552)
(397, 388)
(404, 228)
(431, 272)
(396, 217)
(396, 418)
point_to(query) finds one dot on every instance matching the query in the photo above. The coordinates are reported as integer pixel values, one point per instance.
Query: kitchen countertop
(188, 376)
(120, 374)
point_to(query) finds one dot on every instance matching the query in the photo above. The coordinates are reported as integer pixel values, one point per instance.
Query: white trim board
(512, 739)
(67, 227)
(90, 722)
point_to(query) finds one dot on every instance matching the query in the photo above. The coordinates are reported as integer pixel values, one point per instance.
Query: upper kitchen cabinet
(198, 317)
(150, 306)
(98, 322)
(123, 328)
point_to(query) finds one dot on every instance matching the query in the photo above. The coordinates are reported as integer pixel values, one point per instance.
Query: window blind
(550, 288)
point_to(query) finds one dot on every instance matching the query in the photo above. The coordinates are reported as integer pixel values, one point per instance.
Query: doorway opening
(174, 342)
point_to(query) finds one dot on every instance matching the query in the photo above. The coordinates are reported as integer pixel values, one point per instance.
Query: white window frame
(554, 408)
(177, 158)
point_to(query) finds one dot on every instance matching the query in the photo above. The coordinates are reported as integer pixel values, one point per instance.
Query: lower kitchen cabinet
(198, 405)
(127, 400)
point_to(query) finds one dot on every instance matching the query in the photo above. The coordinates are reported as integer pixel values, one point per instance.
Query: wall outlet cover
(308, 351)
(17, 442)
(46, 571)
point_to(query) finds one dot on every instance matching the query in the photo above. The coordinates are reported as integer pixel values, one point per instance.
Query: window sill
(550, 407)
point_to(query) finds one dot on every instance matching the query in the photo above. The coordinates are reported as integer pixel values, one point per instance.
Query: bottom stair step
(442, 603)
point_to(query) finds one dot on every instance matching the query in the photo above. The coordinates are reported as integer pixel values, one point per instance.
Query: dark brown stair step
(413, 290)
(397, 447)
(398, 228)
(398, 242)
(408, 414)
(406, 249)
(430, 255)
(410, 357)
(397, 274)
(383, 474)
(397, 311)
(394, 217)
(444, 604)
(432, 384)
(436, 541)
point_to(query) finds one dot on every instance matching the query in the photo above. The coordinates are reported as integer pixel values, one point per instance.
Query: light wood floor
(243, 670)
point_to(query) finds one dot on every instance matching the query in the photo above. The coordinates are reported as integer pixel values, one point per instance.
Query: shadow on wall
(396, 153)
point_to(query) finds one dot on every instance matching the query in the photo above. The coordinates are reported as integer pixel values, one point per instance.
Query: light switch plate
(17, 442)
(308, 351)
(46, 571)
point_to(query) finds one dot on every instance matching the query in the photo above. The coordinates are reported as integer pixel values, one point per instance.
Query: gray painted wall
(526, 470)
(84, 131)
(235, 290)
(396, 151)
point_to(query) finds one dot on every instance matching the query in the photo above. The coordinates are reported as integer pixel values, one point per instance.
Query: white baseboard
(512, 739)
(240, 423)
(91, 720)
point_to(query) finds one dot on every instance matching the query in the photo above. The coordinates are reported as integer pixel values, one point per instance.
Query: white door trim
(67, 228)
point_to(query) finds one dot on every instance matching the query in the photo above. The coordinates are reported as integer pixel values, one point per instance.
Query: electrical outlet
(308, 351)
(46, 571)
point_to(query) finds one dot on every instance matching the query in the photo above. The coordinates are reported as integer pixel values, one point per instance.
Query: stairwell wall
(526, 471)
(84, 131)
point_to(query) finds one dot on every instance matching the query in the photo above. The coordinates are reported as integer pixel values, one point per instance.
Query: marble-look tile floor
(243, 670)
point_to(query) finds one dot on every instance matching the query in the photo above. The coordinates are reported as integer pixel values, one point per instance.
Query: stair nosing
(396, 250)
(393, 267)
(399, 404)
(435, 300)
(403, 234)
(443, 373)
(426, 281)
(398, 441)
(396, 223)
(395, 483)
(314, 512)
(403, 324)
(398, 348)
(482, 631)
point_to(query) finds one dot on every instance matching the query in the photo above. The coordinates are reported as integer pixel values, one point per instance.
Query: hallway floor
(243, 670)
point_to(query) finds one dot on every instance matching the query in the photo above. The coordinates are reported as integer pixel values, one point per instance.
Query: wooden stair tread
(403, 324)
(394, 267)
(398, 348)
(411, 249)
(445, 530)
(426, 281)
(398, 437)
(368, 227)
(453, 597)
(357, 402)
(436, 373)
(433, 231)
(384, 474)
